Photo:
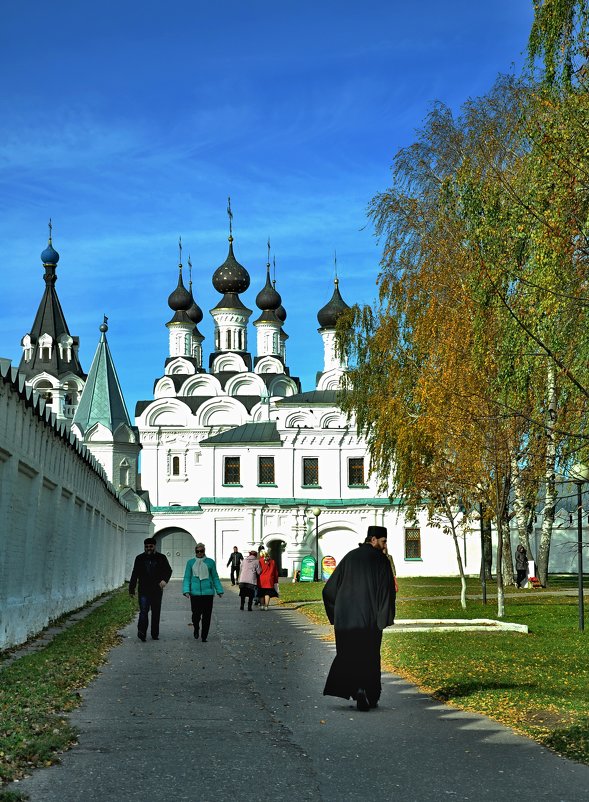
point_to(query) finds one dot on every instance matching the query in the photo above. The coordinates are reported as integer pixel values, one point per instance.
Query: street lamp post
(316, 511)
(580, 475)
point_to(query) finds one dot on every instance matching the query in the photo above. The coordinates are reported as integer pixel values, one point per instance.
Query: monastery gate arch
(178, 546)
(275, 548)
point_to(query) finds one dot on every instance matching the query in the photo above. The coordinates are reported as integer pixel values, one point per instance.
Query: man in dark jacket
(152, 571)
(359, 600)
(235, 561)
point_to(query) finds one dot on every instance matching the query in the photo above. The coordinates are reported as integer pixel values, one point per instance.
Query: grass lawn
(537, 684)
(39, 688)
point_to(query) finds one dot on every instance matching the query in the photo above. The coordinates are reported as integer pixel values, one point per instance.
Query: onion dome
(194, 311)
(268, 299)
(281, 311)
(50, 255)
(180, 299)
(231, 277)
(329, 314)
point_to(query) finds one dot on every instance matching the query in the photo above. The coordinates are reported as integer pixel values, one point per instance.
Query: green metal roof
(264, 433)
(102, 399)
(176, 509)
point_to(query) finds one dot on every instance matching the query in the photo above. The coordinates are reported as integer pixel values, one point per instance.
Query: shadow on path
(243, 716)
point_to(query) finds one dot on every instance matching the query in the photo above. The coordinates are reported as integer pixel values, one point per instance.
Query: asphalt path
(242, 716)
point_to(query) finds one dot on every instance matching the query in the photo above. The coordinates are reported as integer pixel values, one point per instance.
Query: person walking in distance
(267, 580)
(248, 579)
(359, 599)
(201, 582)
(521, 565)
(152, 572)
(235, 561)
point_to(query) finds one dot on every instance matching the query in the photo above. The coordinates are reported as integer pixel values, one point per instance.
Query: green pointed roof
(102, 400)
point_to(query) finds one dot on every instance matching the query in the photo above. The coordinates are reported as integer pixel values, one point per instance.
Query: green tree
(476, 356)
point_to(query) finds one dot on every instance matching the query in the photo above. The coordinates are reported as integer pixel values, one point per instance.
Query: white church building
(231, 450)
(238, 454)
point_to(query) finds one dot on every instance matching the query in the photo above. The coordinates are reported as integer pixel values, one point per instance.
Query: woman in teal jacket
(201, 582)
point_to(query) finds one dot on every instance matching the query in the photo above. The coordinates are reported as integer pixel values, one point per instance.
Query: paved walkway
(243, 717)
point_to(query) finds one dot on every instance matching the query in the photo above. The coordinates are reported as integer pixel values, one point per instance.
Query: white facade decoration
(239, 456)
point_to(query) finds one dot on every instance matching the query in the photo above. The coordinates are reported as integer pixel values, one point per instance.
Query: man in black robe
(359, 600)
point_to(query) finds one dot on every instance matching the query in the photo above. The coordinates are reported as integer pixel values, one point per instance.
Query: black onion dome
(50, 255)
(280, 313)
(329, 314)
(180, 299)
(194, 311)
(231, 277)
(268, 298)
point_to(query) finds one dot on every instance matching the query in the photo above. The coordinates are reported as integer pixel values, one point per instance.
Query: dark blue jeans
(147, 602)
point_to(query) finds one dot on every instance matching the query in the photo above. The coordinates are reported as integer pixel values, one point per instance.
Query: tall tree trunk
(549, 510)
(488, 548)
(500, 506)
(460, 566)
(450, 512)
(507, 556)
(530, 518)
(523, 509)
(500, 589)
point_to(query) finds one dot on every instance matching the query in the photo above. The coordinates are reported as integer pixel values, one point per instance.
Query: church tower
(49, 360)
(102, 422)
(333, 365)
(230, 315)
(268, 325)
(185, 340)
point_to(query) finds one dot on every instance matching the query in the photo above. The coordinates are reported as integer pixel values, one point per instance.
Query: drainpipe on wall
(295, 438)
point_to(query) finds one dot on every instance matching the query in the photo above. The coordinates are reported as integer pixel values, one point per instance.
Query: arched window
(65, 347)
(124, 473)
(28, 348)
(175, 466)
(45, 346)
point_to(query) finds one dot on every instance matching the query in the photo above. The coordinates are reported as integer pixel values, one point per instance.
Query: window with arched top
(65, 347)
(124, 473)
(27, 348)
(176, 463)
(45, 347)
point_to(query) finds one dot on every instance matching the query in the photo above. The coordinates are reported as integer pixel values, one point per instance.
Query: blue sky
(129, 123)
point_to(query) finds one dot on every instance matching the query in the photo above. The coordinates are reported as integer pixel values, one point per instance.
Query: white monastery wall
(63, 531)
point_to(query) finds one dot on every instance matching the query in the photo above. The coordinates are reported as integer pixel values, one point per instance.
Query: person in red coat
(267, 579)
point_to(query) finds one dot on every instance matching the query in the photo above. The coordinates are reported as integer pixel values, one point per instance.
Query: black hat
(376, 531)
